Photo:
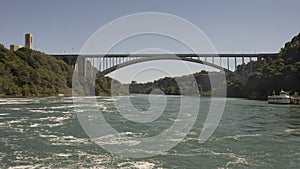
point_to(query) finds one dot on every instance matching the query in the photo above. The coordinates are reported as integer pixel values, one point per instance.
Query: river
(46, 132)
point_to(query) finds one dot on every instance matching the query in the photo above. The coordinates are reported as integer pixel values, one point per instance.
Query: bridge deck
(178, 55)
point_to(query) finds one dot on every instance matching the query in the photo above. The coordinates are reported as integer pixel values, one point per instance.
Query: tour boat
(282, 98)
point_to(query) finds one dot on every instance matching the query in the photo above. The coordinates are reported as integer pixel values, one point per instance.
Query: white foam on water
(63, 154)
(41, 111)
(69, 137)
(2, 155)
(12, 108)
(10, 101)
(116, 139)
(109, 99)
(62, 107)
(25, 166)
(237, 160)
(102, 107)
(47, 136)
(15, 121)
(67, 140)
(290, 130)
(20, 130)
(35, 125)
(174, 119)
(137, 165)
(86, 160)
(55, 119)
(67, 112)
(59, 121)
(55, 125)
(237, 137)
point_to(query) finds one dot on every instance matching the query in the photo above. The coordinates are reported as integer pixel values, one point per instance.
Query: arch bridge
(85, 64)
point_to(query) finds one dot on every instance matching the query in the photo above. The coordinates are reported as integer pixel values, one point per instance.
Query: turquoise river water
(46, 133)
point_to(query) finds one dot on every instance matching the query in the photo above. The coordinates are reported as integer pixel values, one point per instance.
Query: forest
(28, 72)
(273, 74)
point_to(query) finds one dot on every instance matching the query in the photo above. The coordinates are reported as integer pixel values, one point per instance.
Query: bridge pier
(81, 66)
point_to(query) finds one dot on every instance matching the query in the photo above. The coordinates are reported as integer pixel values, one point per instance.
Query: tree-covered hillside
(27, 72)
(275, 73)
(170, 85)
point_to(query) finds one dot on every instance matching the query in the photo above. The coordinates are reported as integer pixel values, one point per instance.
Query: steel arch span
(167, 57)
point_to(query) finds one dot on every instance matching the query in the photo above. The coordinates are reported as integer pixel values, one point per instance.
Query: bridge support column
(99, 62)
(102, 64)
(228, 63)
(70, 62)
(243, 60)
(93, 67)
(81, 66)
(251, 64)
(106, 61)
(235, 63)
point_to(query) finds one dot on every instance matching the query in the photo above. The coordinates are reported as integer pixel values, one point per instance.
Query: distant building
(28, 41)
(133, 82)
(14, 47)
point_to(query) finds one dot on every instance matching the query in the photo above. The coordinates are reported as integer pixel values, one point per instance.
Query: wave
(139, 164)
(237, 137)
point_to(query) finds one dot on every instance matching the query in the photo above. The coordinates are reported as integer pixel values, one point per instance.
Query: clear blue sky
(233, 26)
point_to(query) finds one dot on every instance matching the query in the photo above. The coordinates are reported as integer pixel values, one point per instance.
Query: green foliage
(177, 86)
(100, 86)
(31, 73)
(235, 87)
(274, 73)
(106, 86)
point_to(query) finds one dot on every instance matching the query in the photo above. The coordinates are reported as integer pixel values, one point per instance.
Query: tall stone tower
(28, 41)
